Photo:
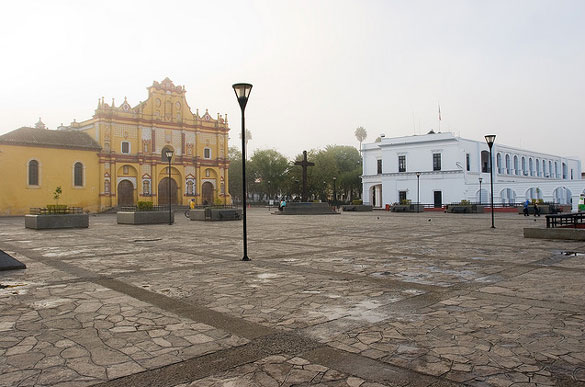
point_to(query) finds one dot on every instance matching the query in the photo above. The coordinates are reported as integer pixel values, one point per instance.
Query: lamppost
(334, 192)
(480, 180)
(169, 154)
(242, 93)
(490, 138)
(325, 191)
(418, 192)
(268, 195)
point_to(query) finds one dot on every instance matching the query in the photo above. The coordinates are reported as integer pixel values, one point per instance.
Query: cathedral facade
(129, 163)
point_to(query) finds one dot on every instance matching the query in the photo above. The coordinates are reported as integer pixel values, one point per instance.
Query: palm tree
(248, 138)
(360, 134)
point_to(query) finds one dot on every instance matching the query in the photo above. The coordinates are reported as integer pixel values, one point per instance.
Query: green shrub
(405, 202)
(56, 208)
(465, 202)
(144, 206)
(357, 202)
(218, 202)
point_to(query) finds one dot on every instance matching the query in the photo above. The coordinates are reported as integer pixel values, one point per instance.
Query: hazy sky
(319, 68)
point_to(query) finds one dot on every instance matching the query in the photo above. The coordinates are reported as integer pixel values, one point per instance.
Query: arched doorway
(207, 193)
(125, 193)
(163, 191)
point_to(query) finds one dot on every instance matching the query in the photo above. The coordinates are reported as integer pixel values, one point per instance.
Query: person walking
(536, 210)
(526, 203)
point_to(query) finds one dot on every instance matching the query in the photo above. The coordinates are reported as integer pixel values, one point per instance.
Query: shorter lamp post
(418, 192)
(269, 198)
(334, 192)
(490, 138)
(169, 154)
(480, 180)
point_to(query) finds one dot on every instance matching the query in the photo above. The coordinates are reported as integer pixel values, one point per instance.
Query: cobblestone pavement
(364, 299)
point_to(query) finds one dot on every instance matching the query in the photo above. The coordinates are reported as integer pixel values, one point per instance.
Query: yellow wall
(55, 169)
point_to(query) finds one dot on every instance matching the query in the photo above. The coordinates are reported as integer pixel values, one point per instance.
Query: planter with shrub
(55, 216)
(144, 213)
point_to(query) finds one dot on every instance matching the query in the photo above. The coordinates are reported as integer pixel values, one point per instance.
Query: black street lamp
(169, 154)
(490, 138)
(480, 180)
(418, 192)
(334, 192)
(242, 93)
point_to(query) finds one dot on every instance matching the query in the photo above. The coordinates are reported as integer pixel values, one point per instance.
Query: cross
(304, 164)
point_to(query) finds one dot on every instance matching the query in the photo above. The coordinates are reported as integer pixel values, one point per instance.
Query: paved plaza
(357, 299)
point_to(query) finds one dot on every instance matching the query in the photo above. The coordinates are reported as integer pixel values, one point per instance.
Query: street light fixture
(334, 193)
(490, 138)
(480, 180)
(242, 91)
(169, 154)
(418, 192)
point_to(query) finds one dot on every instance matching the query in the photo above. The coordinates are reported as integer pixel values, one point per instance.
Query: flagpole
(439, 117)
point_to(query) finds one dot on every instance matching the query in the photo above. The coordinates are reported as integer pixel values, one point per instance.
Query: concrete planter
(306, 208)
(144, 217)
(357, 207)
(465, 209)
(544, 209)
(215, 214)
(407, 208)
(55, 221)
(573, 234)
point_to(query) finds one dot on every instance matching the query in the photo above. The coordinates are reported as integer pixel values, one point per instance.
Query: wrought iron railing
(56, 210)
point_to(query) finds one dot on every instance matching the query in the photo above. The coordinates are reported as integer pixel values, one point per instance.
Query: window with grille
(379, 167)
(401, 163)
(125, 147)
(436, 161)
(206, 153)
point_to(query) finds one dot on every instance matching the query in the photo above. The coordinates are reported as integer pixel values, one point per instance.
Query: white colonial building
(450, 169)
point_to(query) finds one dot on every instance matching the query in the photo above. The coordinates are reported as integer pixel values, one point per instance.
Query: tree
(235, 173)
(268, 166)
(360, 134)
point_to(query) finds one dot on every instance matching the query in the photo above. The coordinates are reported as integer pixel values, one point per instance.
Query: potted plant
(144, 212)
(56, 215)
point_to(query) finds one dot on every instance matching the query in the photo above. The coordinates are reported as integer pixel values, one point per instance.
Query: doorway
(438, 199)
(207, 193)
(163, 191)
(125, 193)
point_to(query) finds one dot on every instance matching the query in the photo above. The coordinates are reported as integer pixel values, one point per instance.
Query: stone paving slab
(277, 298)
(378, 298)
(469, 340)
(82, 333)
(281, 370)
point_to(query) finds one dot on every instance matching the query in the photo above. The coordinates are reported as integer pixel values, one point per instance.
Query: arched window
(499, 163)
(537, 167)
(33, 172)
(78, 175)
(530, 167)
(524, 171)
(516, 168)
(508, 167)
(550, 170)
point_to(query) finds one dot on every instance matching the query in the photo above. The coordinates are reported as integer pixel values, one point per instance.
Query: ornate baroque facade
(132, 165)
(116, 157)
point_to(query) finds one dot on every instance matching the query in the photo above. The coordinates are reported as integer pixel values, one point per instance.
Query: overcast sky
(319, 68)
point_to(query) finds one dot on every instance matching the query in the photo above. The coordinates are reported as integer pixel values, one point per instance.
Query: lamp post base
(245, 258)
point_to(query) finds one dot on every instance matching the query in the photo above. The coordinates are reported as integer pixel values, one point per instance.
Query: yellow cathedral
(117, 158)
